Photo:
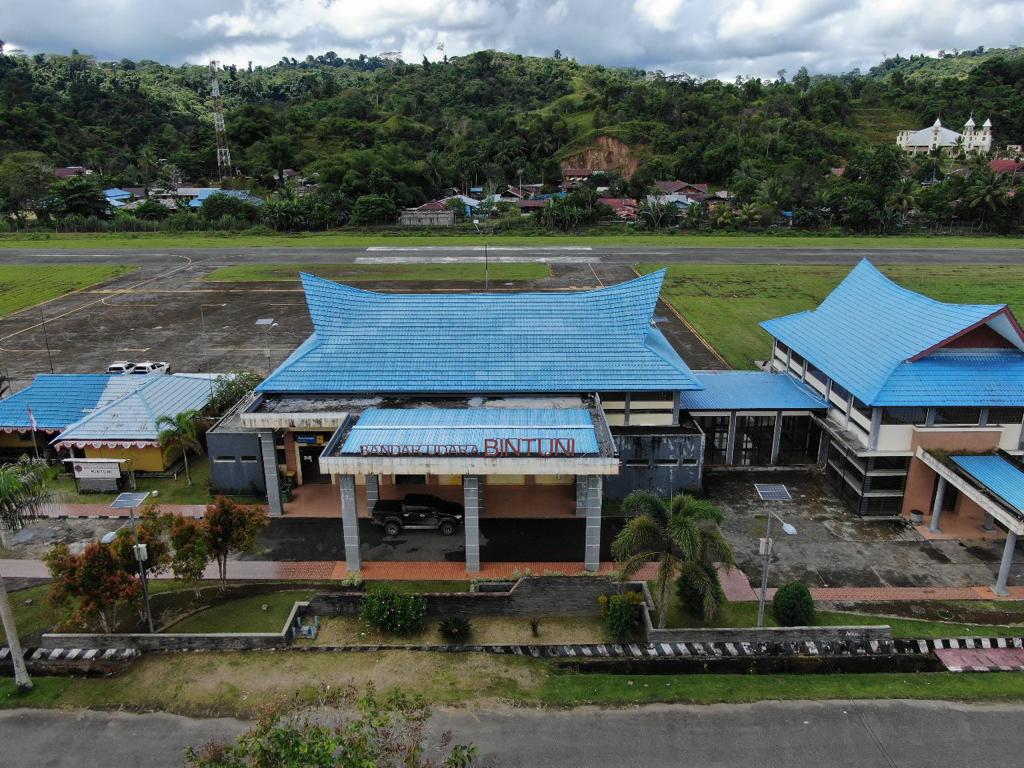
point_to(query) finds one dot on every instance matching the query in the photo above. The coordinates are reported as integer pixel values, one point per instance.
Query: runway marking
(78, 309)
(480, 248)
(600, 282)
(127, 291)
(473, 259)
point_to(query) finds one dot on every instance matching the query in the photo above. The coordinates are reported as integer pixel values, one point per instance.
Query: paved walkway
(992, 659)
(737, 586)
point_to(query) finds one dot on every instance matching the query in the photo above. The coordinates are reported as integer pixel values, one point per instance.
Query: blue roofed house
(513, 404)
(99, 416)
(913, 385)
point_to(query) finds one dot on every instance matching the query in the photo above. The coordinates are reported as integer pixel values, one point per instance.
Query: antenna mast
(223, 154)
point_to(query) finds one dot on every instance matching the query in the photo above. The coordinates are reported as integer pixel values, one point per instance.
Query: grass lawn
(745, 615)
(364, 239)
(725, 303)
(498, 630)
(239, 684)
(27, 285)
(169, 490)
(354, 273)
(245, 614)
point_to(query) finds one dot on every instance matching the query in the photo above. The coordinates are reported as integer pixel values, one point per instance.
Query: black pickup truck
(418, 511)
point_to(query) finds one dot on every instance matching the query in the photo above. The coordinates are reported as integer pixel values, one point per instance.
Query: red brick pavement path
(981, 659)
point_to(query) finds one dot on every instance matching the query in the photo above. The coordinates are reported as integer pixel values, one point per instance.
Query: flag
(32, 420)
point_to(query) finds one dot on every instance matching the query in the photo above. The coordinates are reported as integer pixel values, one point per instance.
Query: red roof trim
(1004, 311)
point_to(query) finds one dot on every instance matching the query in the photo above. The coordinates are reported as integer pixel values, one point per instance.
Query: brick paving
(991, 659)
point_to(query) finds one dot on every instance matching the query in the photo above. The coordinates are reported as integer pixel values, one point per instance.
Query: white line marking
(480, 248)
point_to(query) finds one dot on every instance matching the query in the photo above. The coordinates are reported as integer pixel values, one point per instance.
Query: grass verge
(237, 684)
(498, 630)
(169, 490)
(356, 273)
(725, 303)
(25, 285)
(365, 239)
(246, 614)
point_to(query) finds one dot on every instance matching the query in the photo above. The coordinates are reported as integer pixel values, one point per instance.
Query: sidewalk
(736, 585)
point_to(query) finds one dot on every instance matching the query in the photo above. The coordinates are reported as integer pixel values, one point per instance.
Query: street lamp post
(766, 550)
(266, 323)
(476, 223)
(202, 315)
(130, 501)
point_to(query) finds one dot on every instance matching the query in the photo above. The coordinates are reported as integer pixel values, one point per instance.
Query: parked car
(418, 511)
(150, 366)
(120, 366)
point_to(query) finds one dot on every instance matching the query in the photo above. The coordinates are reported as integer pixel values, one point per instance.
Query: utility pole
(223, 154)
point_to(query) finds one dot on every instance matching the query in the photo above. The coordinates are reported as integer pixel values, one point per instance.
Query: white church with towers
(972, 140)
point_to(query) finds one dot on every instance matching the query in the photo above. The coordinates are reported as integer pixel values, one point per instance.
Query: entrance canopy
(993, 483)
(472, 441)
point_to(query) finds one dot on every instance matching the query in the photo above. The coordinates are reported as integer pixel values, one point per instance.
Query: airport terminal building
(524, 403)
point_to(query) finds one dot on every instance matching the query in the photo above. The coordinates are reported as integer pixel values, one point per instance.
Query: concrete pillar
(730, 442)
(1004, 567)
(876, 428)
(989, 524)
(270, 474)
(350, 522)
(776, 438)
(472, 494)
(372, 491)
(592, 547)
(581, 495)
(940, 495)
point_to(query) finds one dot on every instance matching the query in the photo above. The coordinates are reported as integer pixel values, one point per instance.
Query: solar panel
(772, 492)
(129, 500)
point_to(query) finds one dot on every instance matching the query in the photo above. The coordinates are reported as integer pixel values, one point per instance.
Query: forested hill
(369, 125)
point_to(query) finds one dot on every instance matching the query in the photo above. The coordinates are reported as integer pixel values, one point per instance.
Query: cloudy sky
(721, 38)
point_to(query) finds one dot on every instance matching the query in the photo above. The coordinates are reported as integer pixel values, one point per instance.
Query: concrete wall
(215, 641)
(769, 634)
(236, 476)
(530, 596)
(149, 459)
(657, 463)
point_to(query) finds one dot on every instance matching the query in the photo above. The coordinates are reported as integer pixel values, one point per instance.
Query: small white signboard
(97, 469)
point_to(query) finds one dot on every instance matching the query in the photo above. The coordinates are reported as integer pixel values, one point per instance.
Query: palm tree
(904, 198)
(986, 191)
(22, 489)
(673, 534)
(180, 432)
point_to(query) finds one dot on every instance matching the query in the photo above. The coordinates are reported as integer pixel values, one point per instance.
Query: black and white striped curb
(73, 654)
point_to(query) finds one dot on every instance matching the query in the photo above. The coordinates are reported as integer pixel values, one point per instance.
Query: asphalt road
(577, 250)
(768, 735)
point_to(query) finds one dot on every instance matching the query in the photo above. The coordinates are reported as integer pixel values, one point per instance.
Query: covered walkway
(994, 485)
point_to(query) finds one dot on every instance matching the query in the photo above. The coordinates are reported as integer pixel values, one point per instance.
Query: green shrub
(793, 605)
(456, 629)
(388, 611)
(699, 590)
(624, 616)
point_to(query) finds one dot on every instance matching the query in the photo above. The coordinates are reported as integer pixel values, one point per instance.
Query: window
(904, 415)
(716, 440)
(882, 505)
(252, 459)
(410, 479)
(796, 359)
(754, 440)
(795, 441)
(224, 459)
(889, 463)
(961, 416)
(781, 349)
(840, 391)
(886, 482)
(1005, 415)
(862, 408)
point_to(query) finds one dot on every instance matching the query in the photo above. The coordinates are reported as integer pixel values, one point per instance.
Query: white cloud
(725, 38)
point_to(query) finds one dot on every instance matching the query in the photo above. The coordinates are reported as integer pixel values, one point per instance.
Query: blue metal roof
(997, 475)
(482, 342)
(424, 427)
(750, 391)
(952, 377)
(59, 399)
(869, 326)
(115, 193)
(132, 418)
